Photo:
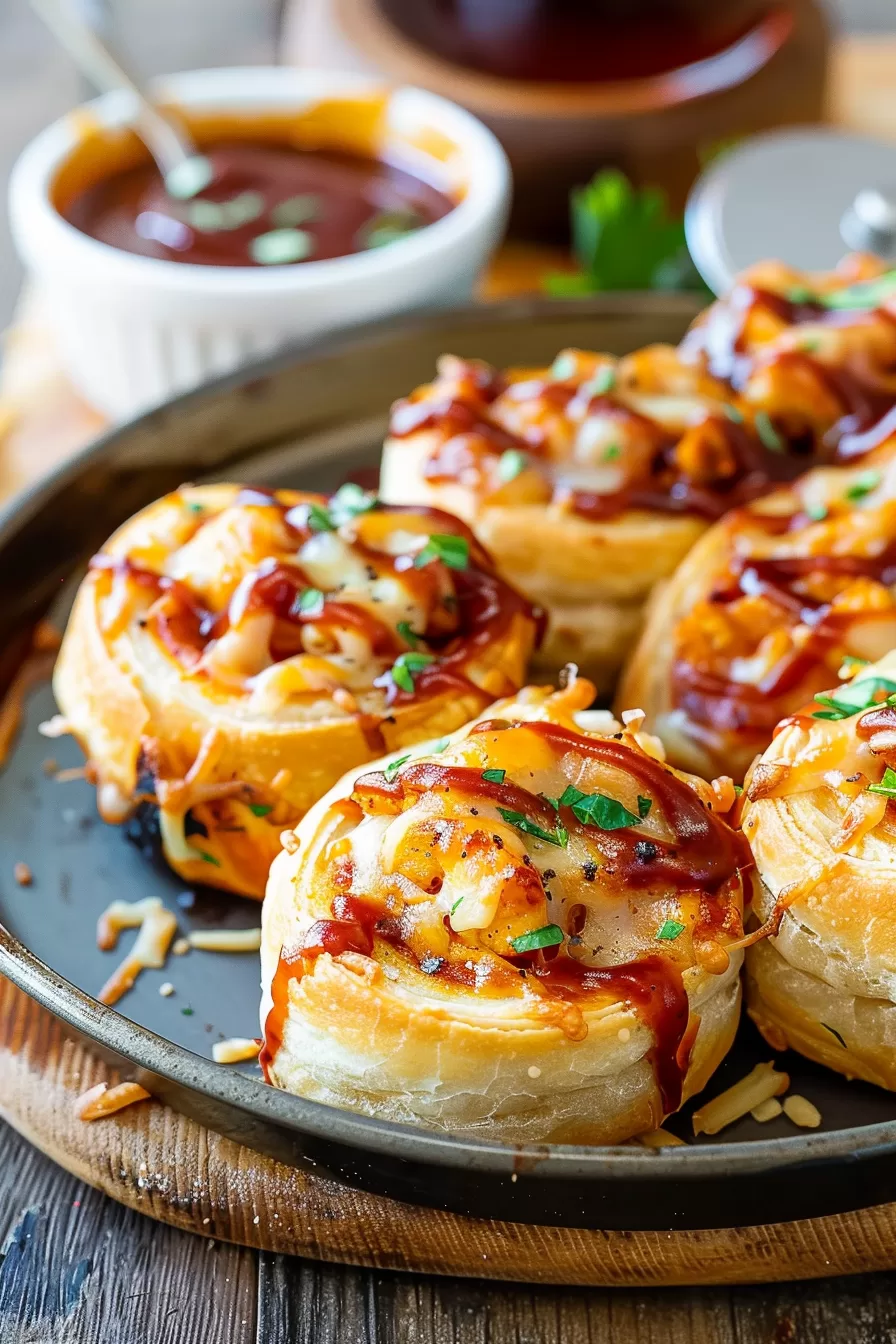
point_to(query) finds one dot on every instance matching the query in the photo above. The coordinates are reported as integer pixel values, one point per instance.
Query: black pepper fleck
(589, 871)
(645, 851)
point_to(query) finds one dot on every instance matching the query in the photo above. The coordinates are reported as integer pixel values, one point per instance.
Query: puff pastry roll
(764, 611)
(589, 481)
(818, 814)
(529, 933)
(232, 652)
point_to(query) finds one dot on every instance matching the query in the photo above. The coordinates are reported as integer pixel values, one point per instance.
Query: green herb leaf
(810, 345)
(206, 216)
(835, 1034)
(451, 550)
(625, 238)
(260, 809)
(350, 501)
(799, 294)
(280, 247)
(863, 485)
(389, 226)
(670, 930)
(853, 699)
(195, 507)
(769, 436)
(510, 464)
(494, 776)
(319, 518)
(406, 667)
(596, 809)
(603, 382)
(644, 806)
(208, 858)
(186, 1012)
(393, 767)
(867, 294)
(851, 664)
(438, 747)
(309, 602)
(301, 209)
(408, 635)
(817, 512)
(734, 414)
(558, 837)
(550, 936)
(187, 179)
(456, 904)
(564, 366)
(612, 452)
(887, 785)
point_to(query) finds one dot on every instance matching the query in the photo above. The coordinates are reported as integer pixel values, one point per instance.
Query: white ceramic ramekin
(132, 331)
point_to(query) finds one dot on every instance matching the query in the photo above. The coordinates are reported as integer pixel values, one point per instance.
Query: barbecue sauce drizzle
(706, 855)
(484, 605)
(868, 417)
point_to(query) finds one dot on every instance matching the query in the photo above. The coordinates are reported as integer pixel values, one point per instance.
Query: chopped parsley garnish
(350, 501)
(319, 520)
(261, 809)
(280, 247)
(867, 294)
(810, 346)
(407, 666)
(887, 785)
(510, 464)
(558, 837)
(853, 699)
(186, 1012)
(564, 366)
(408, 635)
(195, 507)
(770, 437)
(550, 936)
(188, 178)
(612, 452)
(738, 790)
(393, 767)
(863, 485)
(208, 858)
(799, 294)
(817, 512)
(734, 414)
(669, 930)
(438, 747)
(294, 210)
(596, 809)
(494, 776)
(456, 904)
(835, 1034)
(309, 602)
(603, 382)
(451, 550)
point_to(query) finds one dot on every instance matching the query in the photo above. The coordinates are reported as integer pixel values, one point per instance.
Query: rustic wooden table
(76, 1268)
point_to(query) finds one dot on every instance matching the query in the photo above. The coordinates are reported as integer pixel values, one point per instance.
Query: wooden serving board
(162, 1164)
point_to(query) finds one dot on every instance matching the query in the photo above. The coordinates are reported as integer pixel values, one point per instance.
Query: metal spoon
(178, 160)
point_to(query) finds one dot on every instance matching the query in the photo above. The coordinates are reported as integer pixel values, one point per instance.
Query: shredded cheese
(737, 1101)
(157, 929)
(235, 1051)
(802, 1112)
(226, 940)
(102, 1101)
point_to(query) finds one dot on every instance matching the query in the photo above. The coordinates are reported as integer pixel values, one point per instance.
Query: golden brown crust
(190, 657)
(402, 928)
(763, 612)
(817, 815)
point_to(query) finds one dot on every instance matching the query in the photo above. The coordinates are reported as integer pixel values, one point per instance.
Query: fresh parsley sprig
(551, 935)
(453, 551)
(559, 836)
(850, 700)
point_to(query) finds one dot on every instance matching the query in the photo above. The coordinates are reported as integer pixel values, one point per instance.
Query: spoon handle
(167, 142)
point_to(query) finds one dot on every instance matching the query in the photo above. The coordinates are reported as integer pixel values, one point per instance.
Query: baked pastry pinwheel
(233, 651)
(811, 356)
(529, 933)
(818, 814)
(589, 481)
(765, 610)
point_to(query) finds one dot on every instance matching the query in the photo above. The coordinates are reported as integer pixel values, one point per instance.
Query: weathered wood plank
(77, 1268)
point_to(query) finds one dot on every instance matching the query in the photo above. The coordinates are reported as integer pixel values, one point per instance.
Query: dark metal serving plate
(312, 418)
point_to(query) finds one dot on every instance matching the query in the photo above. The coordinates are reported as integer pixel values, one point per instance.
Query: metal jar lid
(803, 196)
